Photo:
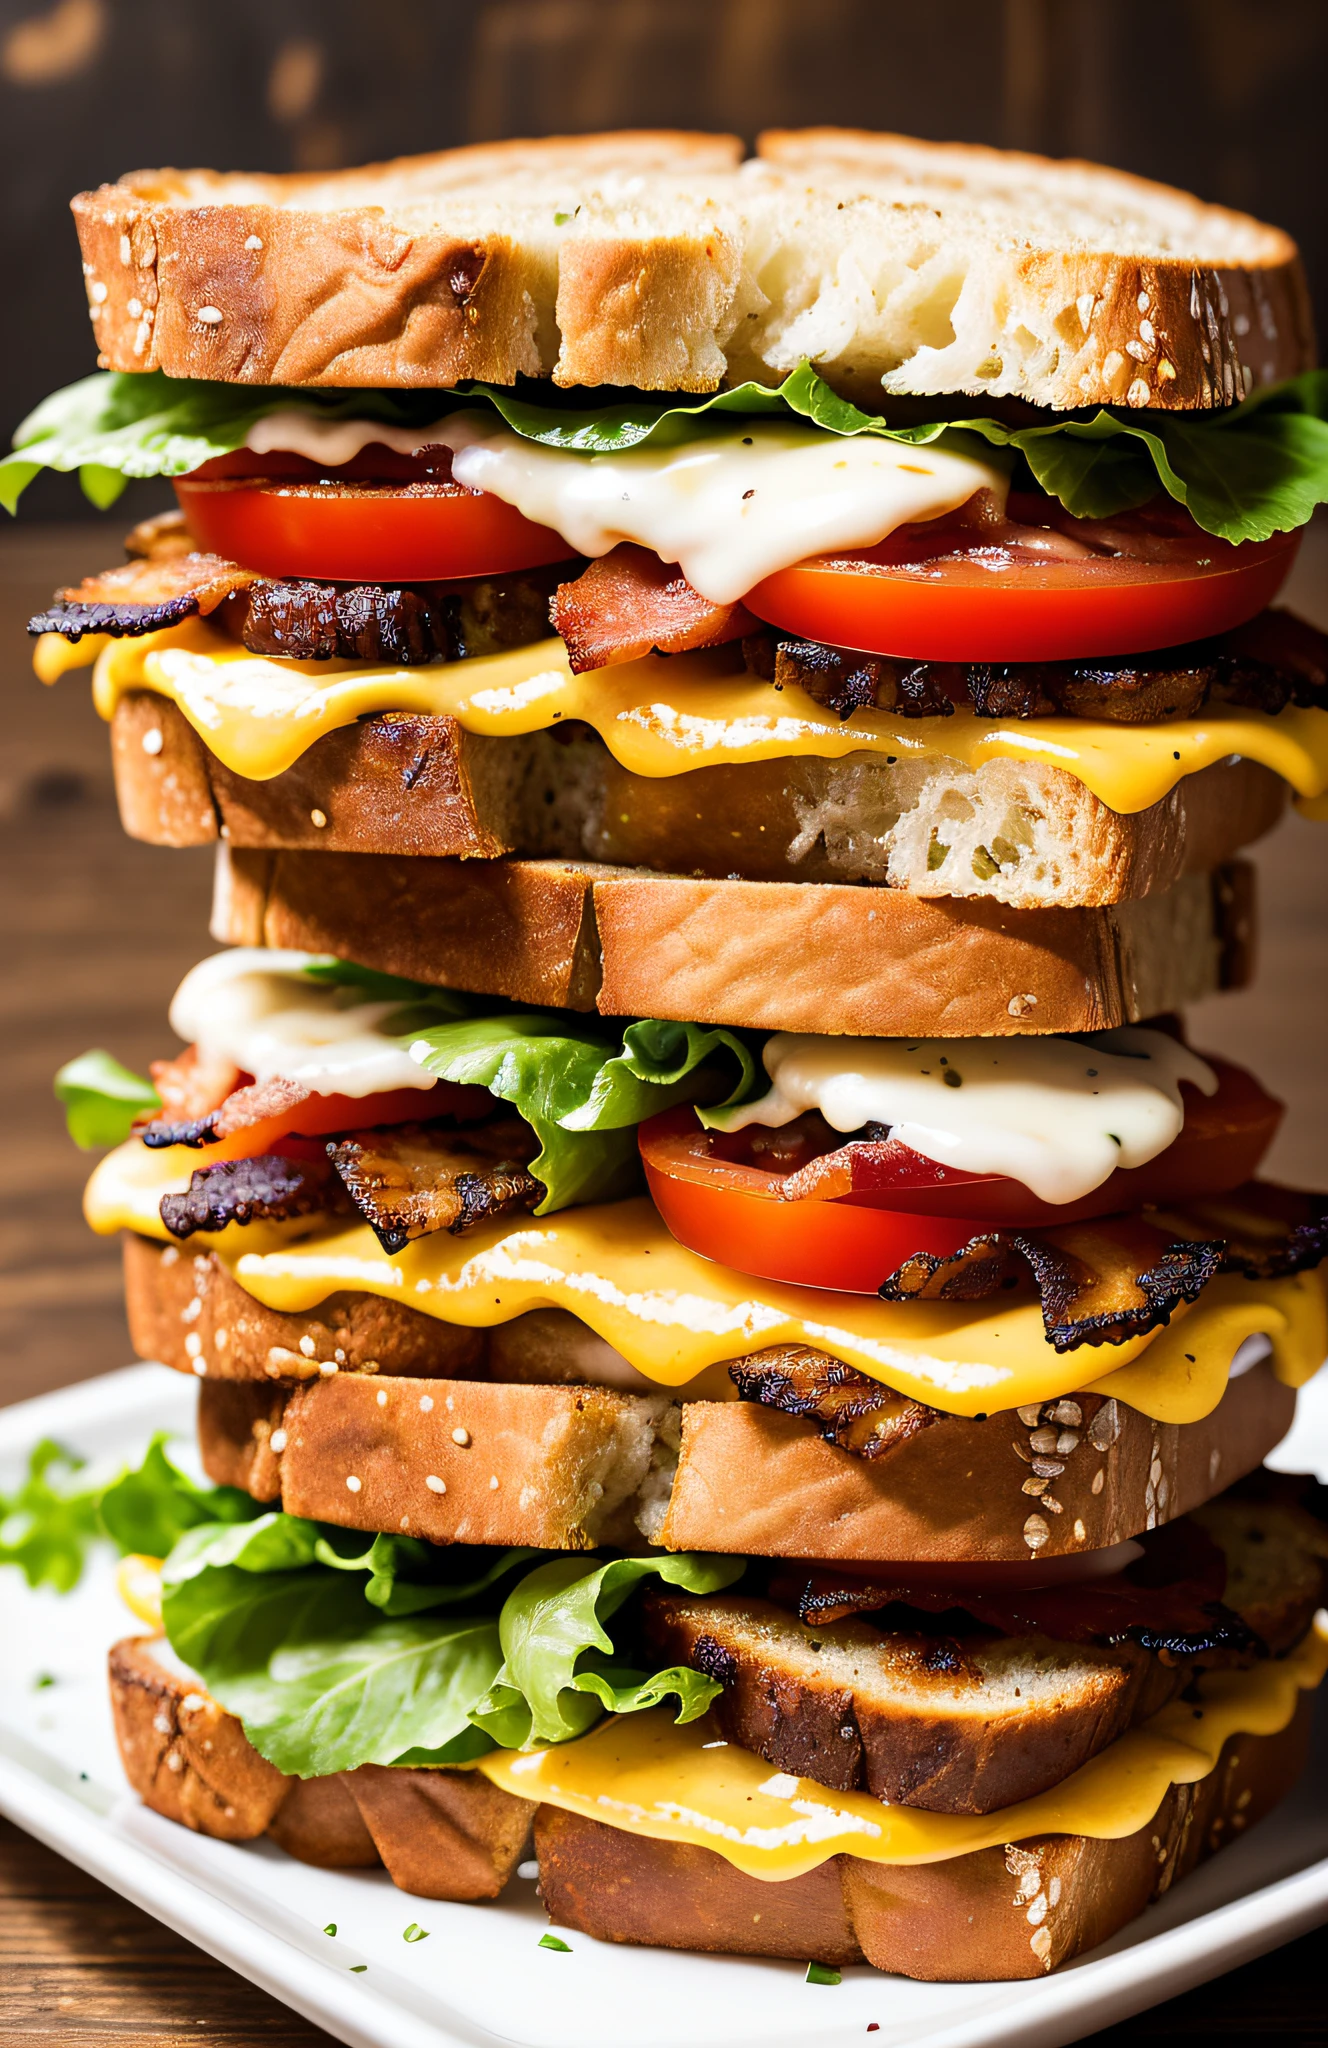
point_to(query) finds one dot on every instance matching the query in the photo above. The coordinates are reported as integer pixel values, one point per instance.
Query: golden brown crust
(442, 1834)
(429, 270)
(771, 955)
(319, 1822)
(459, 1461)
(991, 1916)
(173, 1296)
(753, 1480)
(1138, 330)
(316, 282)
(184, 1756)
(407, 783)
(952, 1727)
(748, 1479)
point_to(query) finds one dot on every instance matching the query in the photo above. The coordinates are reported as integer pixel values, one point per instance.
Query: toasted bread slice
(650, 260)
(989, 1916)
(405, 783)
(442, 1834)
(567, 1467)
(993, 1914)
(920, 1721)
(783, 956)
(977, 1722)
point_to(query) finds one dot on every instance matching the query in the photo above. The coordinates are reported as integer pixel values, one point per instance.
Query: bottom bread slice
(994, 1914)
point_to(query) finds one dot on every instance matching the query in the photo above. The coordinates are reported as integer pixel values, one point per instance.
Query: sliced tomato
(943, 592)
(321, 1115)
(872, 1206)
(363, 532)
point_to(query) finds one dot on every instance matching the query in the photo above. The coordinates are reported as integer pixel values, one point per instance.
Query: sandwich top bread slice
(662, 262)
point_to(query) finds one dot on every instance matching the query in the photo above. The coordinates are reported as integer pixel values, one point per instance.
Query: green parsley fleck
(42, 1680)
(822, 1973)
(358, 1969)
(415, 1932)
(552, 1941)
(331, 1927)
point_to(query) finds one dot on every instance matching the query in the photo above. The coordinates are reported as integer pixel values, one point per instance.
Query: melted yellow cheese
(641, 1773)
(673, 1314)
(662, 717)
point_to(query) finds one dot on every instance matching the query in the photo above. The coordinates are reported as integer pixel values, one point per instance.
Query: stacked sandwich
(733, 1329)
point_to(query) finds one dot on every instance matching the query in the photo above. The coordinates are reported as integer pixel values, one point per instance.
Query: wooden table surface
(95, 932)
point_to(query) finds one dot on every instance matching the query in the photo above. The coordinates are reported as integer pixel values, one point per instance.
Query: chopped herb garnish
(357, 1969)
(822, 1973)
(42, 1680)
(415, 1932)
(552, 1941)
(331, 1927)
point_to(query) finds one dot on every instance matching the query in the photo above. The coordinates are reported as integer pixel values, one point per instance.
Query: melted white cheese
(256, 1007)
(1058, 1114)
(728, 507)
(293, 430)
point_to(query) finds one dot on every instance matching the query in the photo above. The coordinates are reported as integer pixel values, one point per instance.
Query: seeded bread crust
(442, 1834)
(991, 1916)
(410, 784)
(1095, 324)
(645, 260)
(783, 956)
(577, 1465)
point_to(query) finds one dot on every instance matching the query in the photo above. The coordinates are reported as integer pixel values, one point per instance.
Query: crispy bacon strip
(1100, 1282)
(192, 1087)
(1269, 1230)
(1275, 660)
(1168, 1600)
(408, 1180)
(253, 1191)
(849, 1409)
(629, 603)
(239, 1111)
(143, 596)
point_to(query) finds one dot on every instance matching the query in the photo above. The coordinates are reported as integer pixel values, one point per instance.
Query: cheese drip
(658, 717)
(672, 1314)
(1058, 1114)
(641, 1773)
(256, 1007)
(730, 505)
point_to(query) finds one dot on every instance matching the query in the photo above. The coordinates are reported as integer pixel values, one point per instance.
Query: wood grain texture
(94, 934)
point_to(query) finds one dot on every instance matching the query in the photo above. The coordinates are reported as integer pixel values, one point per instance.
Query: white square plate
(480, 1979)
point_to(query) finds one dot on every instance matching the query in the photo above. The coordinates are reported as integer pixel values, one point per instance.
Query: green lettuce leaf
(49, 1523)
(102, 1099)
(560, 1668)
(120, 424)
(373, 986)
(581, 1094)
(321, 1681)
(1245, 473)
(149, 1509)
